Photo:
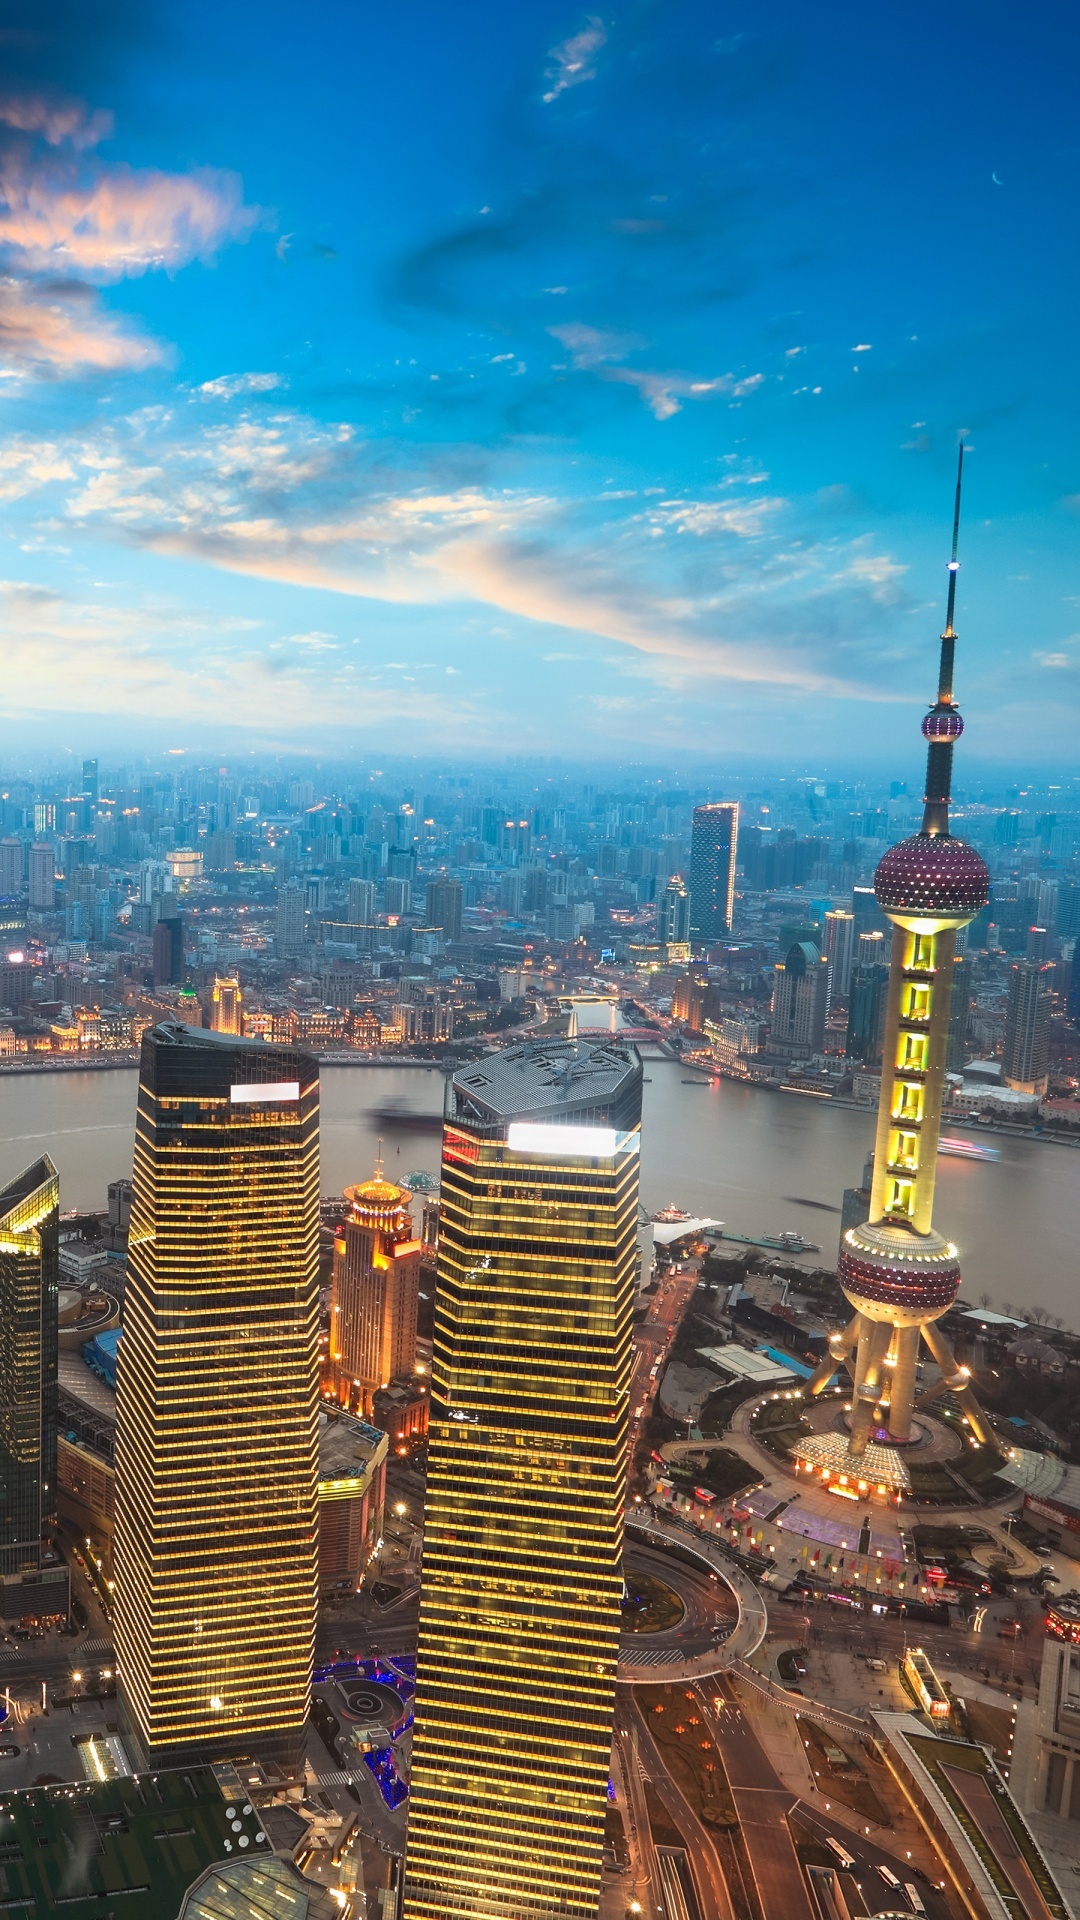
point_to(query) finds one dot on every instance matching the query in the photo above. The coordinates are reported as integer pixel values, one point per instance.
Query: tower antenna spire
(943, 726)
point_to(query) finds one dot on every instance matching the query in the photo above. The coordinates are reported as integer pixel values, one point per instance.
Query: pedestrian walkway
(97, 1647)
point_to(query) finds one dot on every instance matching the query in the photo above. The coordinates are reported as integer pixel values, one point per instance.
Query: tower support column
(868, 1384)
(902, 1387)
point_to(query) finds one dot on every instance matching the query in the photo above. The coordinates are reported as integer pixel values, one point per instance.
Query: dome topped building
(899, 1274)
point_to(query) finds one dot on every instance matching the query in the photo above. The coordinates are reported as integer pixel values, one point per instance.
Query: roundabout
(717, 1621)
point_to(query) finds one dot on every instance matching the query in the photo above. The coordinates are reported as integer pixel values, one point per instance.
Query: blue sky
(537, 380)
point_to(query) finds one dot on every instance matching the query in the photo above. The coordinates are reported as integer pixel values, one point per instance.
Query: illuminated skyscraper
(867, 998)
(897, 1271)
(521, 1585)
(800, 1001)
(714, 842)
(375, 1290)
(225, 1006)
(839, 929)
(1027, 1026)
(217, 1401)
(29, 1276)
(673, 919)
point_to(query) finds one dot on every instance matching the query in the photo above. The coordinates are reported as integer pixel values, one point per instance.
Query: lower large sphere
(891, 1275)
(934, 877)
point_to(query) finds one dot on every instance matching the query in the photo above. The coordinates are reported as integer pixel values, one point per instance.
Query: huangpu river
(731, 1152)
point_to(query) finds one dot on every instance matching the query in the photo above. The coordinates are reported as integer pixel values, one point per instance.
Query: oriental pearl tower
(898, 1272)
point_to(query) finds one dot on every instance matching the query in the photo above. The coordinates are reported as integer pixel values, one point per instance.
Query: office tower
(217, 1401)
(29, 1279)
(376, 1285)
(168, 956)
(866, 1000)
(1053, 1783)
(361, 903)
(397, 897)
(225, 1006)
(800, 1001)
(866, 912)
(673, 928)
(442, 907)
(1027, 1026)
(11, 866)
(897, 1271)
(90, 787)
(956, 1052)
(521, 1585)
(1040, 945)
(42, 876)
(290, 921)
(839, 952)
(714, 841)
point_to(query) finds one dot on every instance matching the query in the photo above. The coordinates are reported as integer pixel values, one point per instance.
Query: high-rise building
(361, 903)
(168, 957)
(376, 1283)
(397, 895)
(521, 1585)
(90, 786)
(956, 1052)
(899, 1274)
(11, 866)
(29, 1280)
(290, 921)
(42, 876)
(866, 1000)
(1027, 1026)
(800, 1001)
(225, 1006)
(442, 907)
(1040, 944)
(866, 911)
(673, 929)
(714, 842)
(217, 1401)
(839, 952)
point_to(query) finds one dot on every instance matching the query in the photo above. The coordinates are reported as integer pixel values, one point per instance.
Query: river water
(732, 1152)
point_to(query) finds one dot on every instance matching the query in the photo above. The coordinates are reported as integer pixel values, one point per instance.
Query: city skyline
(472, 419)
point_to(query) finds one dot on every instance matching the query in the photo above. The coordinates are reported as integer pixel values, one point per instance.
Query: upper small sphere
(932, 877)
(942, 723)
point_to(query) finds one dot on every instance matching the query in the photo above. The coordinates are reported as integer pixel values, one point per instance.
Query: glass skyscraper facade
(714, 842)
(217, 1401)
(522, 1581)
(29, 1276)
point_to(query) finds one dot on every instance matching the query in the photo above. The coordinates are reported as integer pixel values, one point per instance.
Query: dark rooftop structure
(581, 1081)
(131, 1846)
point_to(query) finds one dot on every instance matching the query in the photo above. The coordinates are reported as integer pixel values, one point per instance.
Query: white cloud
(573, 61)
(593, 351)
(228, 385)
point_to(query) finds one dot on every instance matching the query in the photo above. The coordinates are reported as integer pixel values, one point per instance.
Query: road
(712, 1890)
(653, 1339)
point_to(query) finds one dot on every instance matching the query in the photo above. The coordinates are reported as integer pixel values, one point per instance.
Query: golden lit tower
(225, 1004)
(521, 1586)
(217, 1401)
(897, 1271)
(29, 1278)
(375, 1291)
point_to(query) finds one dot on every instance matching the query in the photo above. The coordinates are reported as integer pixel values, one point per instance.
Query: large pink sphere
(931, 874)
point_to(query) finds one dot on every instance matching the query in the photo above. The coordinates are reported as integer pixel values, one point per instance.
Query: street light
(400, 1509)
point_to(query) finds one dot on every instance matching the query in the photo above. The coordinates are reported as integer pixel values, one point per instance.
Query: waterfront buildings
(899, 1274)
(217, 1401)
(29, 1281)
(714, 842)
(376, 1282)
(1027, 1026)
(521, 1586)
